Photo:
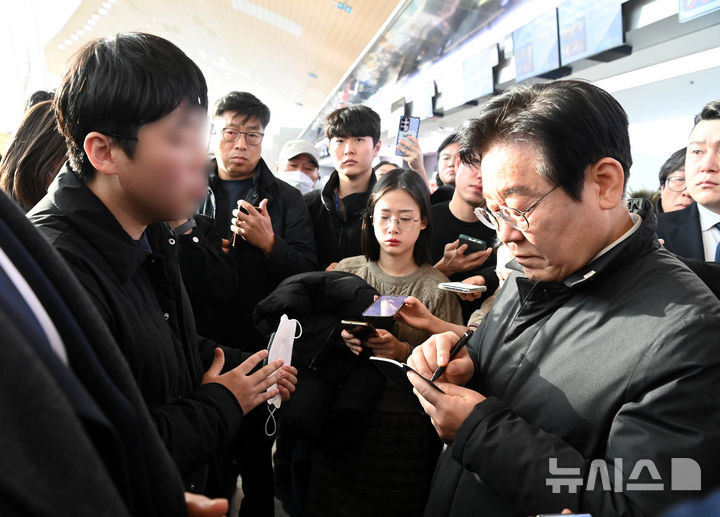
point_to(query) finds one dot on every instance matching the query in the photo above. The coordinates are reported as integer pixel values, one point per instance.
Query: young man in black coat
(135, 161)
(456, 217)
(77, 436)
(594, 381)
(336, 210)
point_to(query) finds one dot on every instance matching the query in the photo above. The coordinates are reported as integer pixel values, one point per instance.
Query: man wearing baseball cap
(298, 165)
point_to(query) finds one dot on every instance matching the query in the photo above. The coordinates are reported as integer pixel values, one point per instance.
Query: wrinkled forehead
(510, 169)
(238, 121)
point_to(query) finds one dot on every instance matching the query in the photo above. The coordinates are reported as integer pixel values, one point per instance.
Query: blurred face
(167, 177)
(702, 164)
(236, 160)
(353, 155)
(563, 234)
(397, 222)
(469, 186)
(670, 198)
(302, 163)
(447, 163)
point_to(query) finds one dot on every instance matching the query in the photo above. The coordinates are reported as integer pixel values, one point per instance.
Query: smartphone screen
(473, 244)
(397, 373)
(409, 126)
(385, 307)
(362, 330)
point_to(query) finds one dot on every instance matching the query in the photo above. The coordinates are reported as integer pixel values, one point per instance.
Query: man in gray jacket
(594, 382)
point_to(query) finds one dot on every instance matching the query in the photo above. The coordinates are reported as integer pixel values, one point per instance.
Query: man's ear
(609, 178)
(101, 150)
(377, 148)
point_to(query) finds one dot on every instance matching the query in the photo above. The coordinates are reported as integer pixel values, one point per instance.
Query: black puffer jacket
(618, 362)
(335, 389)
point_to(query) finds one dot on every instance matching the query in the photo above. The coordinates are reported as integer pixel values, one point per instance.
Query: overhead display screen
(536, 47)
(589, 27)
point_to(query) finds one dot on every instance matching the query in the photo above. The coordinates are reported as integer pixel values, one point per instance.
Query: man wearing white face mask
(298, 165)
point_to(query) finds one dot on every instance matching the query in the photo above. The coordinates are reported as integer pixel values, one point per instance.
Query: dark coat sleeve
(709, 272)
(294, 251)
(191, 427)
(655, 421)
(50, 466)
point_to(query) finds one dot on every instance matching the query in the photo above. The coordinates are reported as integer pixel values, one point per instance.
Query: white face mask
(281, 347)
(297, 179)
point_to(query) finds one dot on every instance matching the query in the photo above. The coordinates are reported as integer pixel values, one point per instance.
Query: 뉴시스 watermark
(684, 475)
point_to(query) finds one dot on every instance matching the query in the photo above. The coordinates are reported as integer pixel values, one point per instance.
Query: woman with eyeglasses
(386, 468)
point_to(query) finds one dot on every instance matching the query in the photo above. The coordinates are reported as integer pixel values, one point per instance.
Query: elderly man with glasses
(593, 382)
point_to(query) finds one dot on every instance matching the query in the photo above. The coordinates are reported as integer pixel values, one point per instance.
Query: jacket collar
(263, 177)
(97, 224)
(639, 243)
(331, 186)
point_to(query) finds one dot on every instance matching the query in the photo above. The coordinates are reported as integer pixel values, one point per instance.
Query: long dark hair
(412, 183)
(35, 155)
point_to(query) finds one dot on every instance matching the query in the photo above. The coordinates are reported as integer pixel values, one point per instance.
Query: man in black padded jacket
(593, 383)
(136, 161)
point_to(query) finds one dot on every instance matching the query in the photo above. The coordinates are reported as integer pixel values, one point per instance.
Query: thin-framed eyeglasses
(404, 223)
(514, 217)
(676, 183)
(231, 135)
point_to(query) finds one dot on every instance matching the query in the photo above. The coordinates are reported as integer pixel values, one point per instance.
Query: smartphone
(244, 211)
(362, 330)
(409, 126)
(473, 244)
(396, 372)
(461, 287)
(385, 307)
(563, 515)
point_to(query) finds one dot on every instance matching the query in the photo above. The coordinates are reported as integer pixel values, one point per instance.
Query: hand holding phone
(473, 244)
(409, 126)
(361, 330)
(461, 287)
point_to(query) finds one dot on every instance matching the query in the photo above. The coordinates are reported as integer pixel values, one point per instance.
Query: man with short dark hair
(447, 164)
(454, 218)
(588, 384)
(77, 436)
(336, 210)
(135, 162)
(694, 232)
(273, 240)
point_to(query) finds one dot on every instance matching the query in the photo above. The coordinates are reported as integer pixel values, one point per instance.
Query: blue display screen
(536, 47)
(588, 28)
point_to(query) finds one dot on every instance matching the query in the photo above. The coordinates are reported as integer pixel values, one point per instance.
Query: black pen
(454, 351)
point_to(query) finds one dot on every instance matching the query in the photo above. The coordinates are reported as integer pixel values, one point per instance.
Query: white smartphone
(385, 307)
(461, 287)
